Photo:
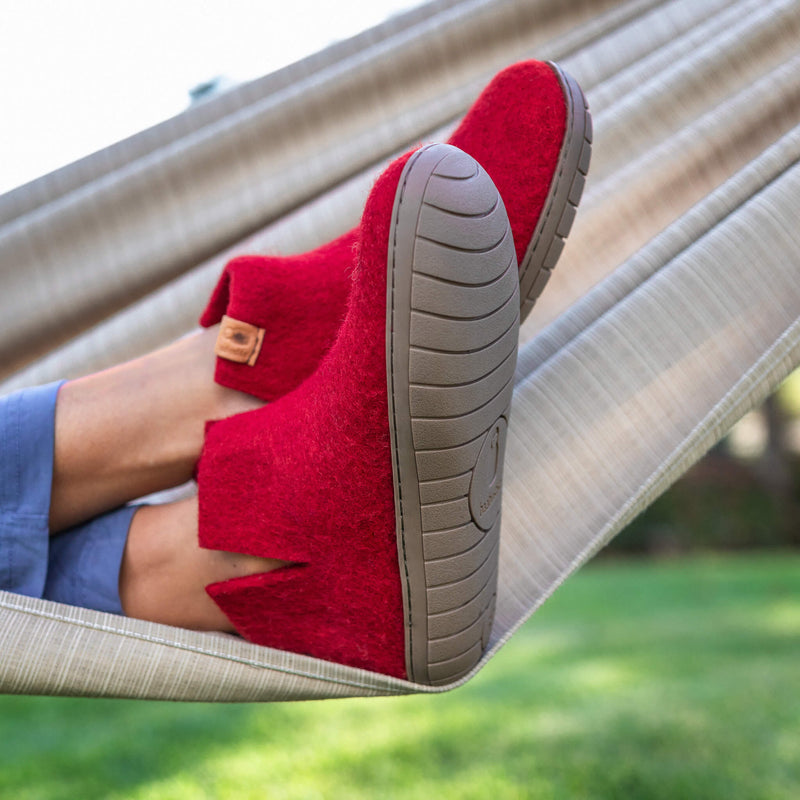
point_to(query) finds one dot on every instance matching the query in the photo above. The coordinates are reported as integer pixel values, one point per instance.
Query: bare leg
(139, 428)
(164, 571)
(136, 428)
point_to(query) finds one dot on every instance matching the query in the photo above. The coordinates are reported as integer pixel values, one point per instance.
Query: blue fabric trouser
(80, 566)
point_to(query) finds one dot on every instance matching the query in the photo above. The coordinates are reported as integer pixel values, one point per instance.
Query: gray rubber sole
(452, 325)
(562, 200)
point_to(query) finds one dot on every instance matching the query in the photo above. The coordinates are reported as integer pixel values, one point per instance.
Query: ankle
(219, 401)
(164, 570)
(137, 428)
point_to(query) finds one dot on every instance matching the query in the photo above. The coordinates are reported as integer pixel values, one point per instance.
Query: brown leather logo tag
(239, 341)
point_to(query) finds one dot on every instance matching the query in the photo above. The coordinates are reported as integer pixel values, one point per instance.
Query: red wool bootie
(380, 477)
(531, 131)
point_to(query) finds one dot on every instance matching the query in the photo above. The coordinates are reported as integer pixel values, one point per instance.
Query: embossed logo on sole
(487, 477)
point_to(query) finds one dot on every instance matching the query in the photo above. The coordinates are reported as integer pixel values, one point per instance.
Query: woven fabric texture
(675, 307)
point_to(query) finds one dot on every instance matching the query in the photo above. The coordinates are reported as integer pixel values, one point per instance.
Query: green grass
(789, 394)
(637, 680)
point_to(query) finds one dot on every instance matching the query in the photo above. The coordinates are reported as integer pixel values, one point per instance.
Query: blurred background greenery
(640, 679)
(744, 494)
(666, 668)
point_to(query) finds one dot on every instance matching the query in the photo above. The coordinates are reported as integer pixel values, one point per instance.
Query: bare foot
(136, 428)
(164, 571)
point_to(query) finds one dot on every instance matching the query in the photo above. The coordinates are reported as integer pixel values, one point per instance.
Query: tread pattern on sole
(563, 198)
(455, 388)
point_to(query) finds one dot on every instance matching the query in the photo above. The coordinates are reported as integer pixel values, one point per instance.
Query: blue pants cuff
(84, 563)
(79, 567)
(27, 436)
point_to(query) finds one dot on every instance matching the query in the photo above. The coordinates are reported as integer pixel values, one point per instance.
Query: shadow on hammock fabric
(674, 309)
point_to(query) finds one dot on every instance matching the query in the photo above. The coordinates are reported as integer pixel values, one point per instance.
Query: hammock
(673, 311)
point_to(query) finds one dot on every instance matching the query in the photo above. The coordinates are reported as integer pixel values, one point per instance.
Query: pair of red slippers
(389, 357)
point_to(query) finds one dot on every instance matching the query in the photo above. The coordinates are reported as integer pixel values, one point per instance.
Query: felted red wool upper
(308, 479)
(514, 129)
(299, 301)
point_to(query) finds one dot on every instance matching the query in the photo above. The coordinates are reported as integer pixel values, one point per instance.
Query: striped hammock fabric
(674, 309)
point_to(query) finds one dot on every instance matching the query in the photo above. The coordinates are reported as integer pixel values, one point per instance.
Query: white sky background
(77, 75)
